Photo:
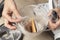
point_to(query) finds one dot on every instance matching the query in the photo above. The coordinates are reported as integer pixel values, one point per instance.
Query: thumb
(17, 14)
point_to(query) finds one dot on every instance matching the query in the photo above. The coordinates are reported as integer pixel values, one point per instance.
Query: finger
(9, 26)
(50, 12)
(15, 11)
(17, 14)
(8, 17)
(58, 23)
(11, 19)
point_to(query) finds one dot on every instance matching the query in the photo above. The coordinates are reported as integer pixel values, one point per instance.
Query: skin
(0, 1)
(9, 9)
(52, 25)
(9, 6)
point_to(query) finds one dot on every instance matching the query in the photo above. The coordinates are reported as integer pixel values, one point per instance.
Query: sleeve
(1, 7)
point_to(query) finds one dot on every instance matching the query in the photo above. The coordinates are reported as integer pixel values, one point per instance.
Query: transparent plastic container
(39, 15)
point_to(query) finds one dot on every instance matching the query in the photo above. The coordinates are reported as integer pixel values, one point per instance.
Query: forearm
(9, 3)
(1, 1)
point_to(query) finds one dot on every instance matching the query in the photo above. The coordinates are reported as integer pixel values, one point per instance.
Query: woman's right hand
(9, 9)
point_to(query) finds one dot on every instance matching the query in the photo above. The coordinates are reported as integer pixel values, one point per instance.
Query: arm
(9, 9)
(51, 24)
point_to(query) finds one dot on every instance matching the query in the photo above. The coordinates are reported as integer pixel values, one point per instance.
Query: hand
(56, 9)
(9, 9)
(51, 24)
